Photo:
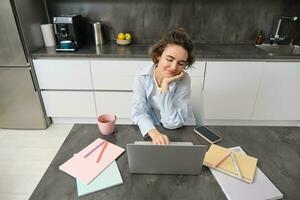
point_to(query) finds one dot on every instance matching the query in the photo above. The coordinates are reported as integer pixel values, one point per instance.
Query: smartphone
(207, 134)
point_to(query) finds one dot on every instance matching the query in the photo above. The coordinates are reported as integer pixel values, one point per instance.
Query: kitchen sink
(280, 50)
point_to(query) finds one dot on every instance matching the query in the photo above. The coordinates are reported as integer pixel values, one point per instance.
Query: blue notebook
(109, 177)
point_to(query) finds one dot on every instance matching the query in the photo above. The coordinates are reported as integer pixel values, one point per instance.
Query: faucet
(277, 38)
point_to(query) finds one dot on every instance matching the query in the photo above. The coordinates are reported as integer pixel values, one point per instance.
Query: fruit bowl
(123, 42)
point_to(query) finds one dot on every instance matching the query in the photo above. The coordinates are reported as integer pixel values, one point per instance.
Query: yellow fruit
(127, 36)
(121, 36)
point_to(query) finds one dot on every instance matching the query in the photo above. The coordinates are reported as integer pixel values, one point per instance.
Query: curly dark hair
(178, 37)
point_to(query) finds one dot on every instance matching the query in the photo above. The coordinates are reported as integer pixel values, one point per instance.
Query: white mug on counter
(48, 35)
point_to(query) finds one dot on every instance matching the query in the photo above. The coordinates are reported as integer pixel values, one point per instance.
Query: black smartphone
(207, 134)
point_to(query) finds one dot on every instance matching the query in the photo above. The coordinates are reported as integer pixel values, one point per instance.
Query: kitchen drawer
(69, 103)
(114, 102)
(63, 74)
(115, 75)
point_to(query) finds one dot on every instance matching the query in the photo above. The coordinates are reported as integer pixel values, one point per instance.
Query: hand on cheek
(180, 76)
(167, 81)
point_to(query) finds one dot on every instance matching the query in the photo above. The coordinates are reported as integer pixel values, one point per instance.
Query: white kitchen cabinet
(63, 74)
(69, 103)
(279, 97)
(115, 74)
(113, 82)
(234, 91)
(230, 89)
(116, 102)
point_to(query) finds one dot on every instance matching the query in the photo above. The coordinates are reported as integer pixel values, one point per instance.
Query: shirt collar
(148, 70)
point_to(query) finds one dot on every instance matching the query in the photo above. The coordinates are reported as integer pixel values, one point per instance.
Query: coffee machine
(67, 30)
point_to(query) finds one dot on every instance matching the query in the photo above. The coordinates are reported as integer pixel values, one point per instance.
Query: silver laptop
(175, 158)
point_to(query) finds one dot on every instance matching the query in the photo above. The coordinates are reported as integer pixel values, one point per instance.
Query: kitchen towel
(85, 168)
(48, 35)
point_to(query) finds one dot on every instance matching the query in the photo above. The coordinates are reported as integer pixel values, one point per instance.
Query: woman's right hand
(157, 137)
(166, 81)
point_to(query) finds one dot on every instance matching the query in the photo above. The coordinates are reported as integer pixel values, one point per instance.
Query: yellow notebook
(246, 164)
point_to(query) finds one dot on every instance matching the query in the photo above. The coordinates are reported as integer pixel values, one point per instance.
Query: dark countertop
(202, 51)
(276, 148)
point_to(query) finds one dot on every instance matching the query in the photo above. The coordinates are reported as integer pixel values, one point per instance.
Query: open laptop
(175, 158)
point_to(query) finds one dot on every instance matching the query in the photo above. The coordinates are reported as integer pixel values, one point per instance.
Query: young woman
(161, 93)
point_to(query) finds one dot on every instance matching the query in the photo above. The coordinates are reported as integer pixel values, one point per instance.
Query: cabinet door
(197, 99)
(230, 89)
(197, 70)
(69, 103)
(115, 74)
(63, 74)
(196, 73)
(279, 96)
(115, 102)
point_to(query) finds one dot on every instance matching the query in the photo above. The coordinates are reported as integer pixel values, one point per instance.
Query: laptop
(175, 158)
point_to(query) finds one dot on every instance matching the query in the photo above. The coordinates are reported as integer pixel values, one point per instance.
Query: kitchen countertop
(202, 51)
(277, 150)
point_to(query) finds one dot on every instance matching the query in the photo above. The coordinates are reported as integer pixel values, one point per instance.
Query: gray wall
(205, 20)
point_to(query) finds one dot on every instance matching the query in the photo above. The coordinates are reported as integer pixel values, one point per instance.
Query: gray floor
(24, 157)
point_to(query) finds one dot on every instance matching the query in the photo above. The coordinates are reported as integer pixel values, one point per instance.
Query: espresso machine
(67, 30)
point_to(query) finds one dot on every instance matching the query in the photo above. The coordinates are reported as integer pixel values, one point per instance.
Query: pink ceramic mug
(106, 123)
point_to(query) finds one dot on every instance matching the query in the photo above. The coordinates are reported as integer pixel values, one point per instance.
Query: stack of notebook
(94, 167)
(260, 189)
(235, 164)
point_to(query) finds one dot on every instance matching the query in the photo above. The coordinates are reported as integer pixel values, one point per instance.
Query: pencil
(218, 162)
(102, 150)
(236, 165)
(96, 147)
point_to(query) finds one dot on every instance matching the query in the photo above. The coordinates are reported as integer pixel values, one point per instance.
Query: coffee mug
(66, 44)
(106, 123)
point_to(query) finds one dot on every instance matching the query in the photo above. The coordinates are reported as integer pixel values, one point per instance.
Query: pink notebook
(86, 168)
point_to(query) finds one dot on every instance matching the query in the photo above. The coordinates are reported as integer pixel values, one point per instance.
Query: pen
(218, 162)
(96, 147)
(102, 150)
(236, 165)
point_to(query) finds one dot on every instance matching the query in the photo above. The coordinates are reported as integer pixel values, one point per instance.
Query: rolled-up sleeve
(140, 114)
(175, 108)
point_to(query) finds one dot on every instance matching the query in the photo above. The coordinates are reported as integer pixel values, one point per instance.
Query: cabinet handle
(204, 76)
